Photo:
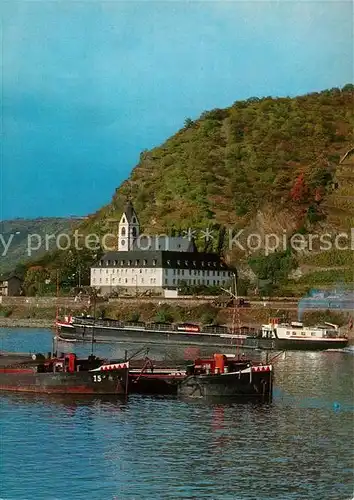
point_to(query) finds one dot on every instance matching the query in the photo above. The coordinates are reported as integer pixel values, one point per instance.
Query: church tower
(129, 228)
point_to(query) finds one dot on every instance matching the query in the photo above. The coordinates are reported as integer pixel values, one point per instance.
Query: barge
(221, 376)
(85, 328)
(66, 374)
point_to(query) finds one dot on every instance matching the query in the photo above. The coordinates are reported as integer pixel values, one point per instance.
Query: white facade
(109, 278)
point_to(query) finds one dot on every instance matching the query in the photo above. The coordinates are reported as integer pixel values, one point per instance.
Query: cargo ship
(63, 374)
(85, 328)
(218, 376)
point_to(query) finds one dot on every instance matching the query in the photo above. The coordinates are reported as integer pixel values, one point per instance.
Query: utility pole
(235, 312)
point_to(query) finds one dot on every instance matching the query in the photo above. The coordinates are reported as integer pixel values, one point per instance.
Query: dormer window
(145, 262)
(137, 262)
(178, 263)
(108, 262)
(122, 262)
(134, 220)
(168, 262)
(194, 263)
(122, 231)
(101, 262)
(123, 220)
(129, 262)
(115, 262)
(186, 262)
(154, 262)
(202, 263)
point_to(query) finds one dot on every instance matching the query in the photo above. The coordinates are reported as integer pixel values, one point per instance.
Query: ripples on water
(299, 447)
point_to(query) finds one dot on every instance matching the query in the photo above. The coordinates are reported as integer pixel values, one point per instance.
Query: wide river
(298, 447)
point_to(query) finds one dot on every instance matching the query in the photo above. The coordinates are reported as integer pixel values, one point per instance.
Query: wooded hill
(271, 165)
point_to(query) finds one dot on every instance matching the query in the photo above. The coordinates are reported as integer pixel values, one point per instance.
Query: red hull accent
(52, 390)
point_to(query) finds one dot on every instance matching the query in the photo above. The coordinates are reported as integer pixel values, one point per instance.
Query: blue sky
(88, 85)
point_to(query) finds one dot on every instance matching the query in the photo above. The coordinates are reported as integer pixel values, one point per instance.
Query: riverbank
(26, 323)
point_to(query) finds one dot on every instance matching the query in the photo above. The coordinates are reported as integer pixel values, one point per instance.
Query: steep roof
(168, 243)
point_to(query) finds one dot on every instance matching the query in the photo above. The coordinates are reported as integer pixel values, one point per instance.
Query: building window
(100, 280)
(194, 263)
(106, 280)
(106, 271)
(168, 262)
(166, 281)
(178, 271)
(174, 281)
(126, 280)
(137, 262)
(154, 262)
(101, 262)
(129, 262)
(122, 262)
(182, 272)
(194, 282)
(134, 232)
(223, 273)
(145, 262)
(119, 280)
(202, 263)
(122, 233)
(186, 262)
(178, 263)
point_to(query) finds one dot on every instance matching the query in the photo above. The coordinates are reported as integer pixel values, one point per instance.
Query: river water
(298, 447)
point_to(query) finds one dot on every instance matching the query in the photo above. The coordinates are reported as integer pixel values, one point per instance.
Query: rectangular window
(182, 272)
(129, 262)
(137, 262)
(166, 281)
(154, 262)
(122, 262)
(145, 262)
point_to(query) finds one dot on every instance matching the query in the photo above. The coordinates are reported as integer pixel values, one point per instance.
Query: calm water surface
(299, 447)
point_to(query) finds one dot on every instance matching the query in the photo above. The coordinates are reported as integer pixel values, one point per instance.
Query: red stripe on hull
(54, 390)
(16, 370)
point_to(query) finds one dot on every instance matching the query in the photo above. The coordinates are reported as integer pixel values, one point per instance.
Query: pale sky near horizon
(87, 85)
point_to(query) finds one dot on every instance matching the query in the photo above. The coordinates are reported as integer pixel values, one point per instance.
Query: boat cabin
(218, 364)
(296, 329)
(69, 363)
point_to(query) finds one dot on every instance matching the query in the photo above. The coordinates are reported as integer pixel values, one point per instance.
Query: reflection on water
(298, 447)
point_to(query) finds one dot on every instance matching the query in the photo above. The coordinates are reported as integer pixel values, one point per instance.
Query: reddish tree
(299, 189)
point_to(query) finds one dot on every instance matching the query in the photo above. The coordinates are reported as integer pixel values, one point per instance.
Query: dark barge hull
(131, 335)
(27, 380)
(302, 345)
(228, 385)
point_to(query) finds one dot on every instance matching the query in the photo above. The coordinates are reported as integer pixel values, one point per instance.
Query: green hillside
(21, 237)
(269, 165)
